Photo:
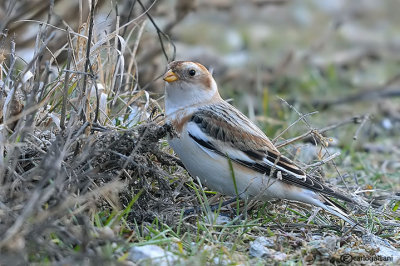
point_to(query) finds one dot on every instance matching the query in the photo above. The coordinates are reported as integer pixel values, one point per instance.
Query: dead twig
(364, 120)
(65, 91)
(316, 135)
(87, 63)
(291, 125)
(160, 34)
(351, 120)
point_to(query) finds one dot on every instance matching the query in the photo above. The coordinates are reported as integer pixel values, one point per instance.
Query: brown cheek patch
(206, 80)
(205, 77)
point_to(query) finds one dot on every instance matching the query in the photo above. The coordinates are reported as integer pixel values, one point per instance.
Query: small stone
(222, 219)
(259, 248)
(218, 219)
(260, 251)
(324, 245)
(266, 241)
(280, 256)
(330, 242)
(152, 254)
(386, 250)
(387, 124)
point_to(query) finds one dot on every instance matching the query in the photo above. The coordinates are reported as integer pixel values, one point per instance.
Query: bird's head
(188, 84)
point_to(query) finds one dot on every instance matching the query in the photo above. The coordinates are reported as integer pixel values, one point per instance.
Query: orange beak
(170, 76)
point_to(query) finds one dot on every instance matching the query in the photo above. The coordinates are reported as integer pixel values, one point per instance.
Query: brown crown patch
(175, 64)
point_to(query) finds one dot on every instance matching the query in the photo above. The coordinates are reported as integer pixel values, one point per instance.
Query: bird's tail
(335, 209)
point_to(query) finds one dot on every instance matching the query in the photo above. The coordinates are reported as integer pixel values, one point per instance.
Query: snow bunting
(213, 138)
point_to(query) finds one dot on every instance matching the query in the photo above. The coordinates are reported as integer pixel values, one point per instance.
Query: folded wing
(231, 134)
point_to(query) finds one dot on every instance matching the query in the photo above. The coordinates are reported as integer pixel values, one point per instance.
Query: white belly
(214, 172)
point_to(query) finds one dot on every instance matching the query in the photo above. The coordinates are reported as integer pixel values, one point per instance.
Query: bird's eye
(192, 72)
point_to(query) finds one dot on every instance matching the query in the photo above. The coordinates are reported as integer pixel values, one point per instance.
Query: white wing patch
(195, 131)
(235, 154)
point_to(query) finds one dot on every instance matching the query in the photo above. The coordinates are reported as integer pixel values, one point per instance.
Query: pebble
(262, 248)
(385, 248)
(152, 255)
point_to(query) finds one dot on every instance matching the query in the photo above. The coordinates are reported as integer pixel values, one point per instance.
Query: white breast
(211, 168)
